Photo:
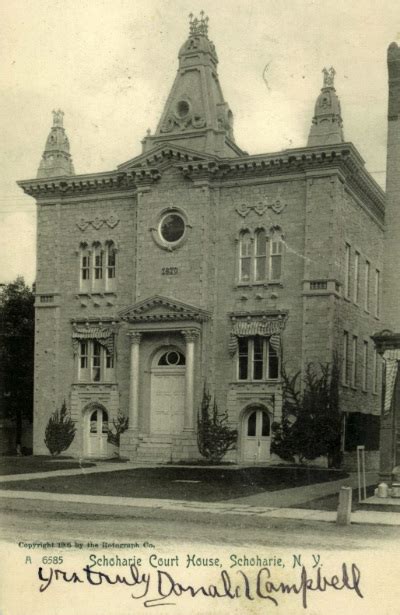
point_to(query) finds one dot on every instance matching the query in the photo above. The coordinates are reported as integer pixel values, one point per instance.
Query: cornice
(143, 171)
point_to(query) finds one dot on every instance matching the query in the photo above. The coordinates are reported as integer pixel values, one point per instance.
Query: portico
(162, 381)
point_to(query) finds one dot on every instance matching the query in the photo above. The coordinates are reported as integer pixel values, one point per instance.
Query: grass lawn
(37, 463)
(181, 483)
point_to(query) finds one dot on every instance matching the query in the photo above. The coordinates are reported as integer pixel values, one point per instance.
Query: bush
(214, 437)
(120, 425)
(60, 431)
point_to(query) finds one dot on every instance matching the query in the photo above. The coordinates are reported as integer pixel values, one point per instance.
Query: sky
(109, 65)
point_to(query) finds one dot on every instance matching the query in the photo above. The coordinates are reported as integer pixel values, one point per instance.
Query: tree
(311, 420)
(214, 437)
(60, 431)
(17, 326)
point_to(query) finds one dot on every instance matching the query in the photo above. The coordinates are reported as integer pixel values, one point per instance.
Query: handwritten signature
(159, 587)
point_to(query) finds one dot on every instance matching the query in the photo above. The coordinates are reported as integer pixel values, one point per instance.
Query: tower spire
(327, 123)
(196, 115)
(56, 159)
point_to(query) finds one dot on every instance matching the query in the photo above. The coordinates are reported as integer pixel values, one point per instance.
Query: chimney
(391, 272)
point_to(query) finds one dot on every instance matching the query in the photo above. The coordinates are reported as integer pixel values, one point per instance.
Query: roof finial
(58, 118)
(198, 26)
(329, 77)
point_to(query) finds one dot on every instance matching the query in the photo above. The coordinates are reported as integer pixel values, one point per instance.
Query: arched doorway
(167, 392)
(256, 435)
(96, 432)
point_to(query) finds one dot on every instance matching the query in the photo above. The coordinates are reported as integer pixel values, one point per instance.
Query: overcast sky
(109, 64)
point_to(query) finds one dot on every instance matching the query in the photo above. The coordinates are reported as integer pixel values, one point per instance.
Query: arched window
(276, 255)
(97, 267)
(245, 257)
(110, 265)
(84, 253)
(261, 256)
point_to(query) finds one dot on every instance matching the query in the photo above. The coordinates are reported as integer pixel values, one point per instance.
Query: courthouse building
(196, 262)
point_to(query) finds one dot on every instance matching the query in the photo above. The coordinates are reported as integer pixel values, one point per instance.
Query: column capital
(135, 337)
(190, 335)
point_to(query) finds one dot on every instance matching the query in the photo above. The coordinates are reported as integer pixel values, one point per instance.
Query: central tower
(196, 115)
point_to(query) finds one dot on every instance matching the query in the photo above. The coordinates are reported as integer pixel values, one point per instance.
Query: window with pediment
(260, 256)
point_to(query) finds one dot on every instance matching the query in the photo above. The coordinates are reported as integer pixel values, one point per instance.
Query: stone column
(134, 381)
(190, 336)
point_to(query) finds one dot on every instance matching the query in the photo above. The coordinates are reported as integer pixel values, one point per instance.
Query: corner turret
(56, 160)
(326, 128)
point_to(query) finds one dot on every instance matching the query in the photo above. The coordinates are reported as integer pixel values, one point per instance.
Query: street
(36, 520)
(46, 547)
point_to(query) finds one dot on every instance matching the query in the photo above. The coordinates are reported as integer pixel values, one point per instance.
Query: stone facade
(197, 263)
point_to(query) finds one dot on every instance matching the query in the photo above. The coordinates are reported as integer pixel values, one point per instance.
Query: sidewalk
(269, 504)
(229, 508)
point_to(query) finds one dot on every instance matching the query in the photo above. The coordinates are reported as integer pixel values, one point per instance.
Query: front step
(166, 448)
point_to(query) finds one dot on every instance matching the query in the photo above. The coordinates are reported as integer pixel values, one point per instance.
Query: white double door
(97, 433)
(256, 436)
(167, 401)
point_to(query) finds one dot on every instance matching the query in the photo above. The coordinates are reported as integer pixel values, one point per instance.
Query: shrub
(60, 431)
(120, 425)
(214, 437)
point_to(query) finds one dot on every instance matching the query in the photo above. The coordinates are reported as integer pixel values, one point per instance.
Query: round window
(172, 358)
(172, 227)
(182, 108)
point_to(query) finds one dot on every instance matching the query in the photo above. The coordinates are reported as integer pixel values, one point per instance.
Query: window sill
(265, 284)
(100, 293)
(270, 381)
(99, 383)
(348, 299)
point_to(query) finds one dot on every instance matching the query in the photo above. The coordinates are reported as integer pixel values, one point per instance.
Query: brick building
(197, 262)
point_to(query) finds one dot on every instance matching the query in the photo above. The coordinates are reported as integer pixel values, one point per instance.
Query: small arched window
(110, 265)
(276, 255)
(98, 275)
(98, 261)
(111, 260)
(245, 257)
(84, 253)
(261, 256)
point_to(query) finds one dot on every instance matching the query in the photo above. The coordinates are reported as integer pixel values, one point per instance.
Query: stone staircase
(166, 448)
(154, 449)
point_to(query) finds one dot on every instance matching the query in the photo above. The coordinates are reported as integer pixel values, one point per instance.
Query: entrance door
(97, 433)
(168, 393)
(256, 436)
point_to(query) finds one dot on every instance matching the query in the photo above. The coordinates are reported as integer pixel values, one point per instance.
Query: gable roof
(164, 154)
(159, 308)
